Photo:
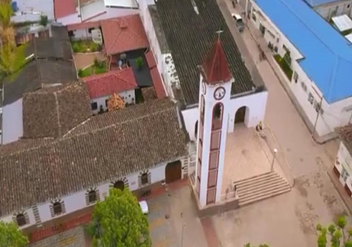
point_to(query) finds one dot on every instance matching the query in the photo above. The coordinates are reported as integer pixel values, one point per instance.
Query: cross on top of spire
(215, 67)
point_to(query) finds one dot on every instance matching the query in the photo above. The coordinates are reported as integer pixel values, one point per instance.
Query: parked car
(239, 21)
(144, 206)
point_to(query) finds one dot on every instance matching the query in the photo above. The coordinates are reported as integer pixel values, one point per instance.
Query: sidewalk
(303, 154)
(341, 190)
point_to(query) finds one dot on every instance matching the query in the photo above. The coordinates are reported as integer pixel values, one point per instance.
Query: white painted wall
(255, 103)
(122, 3)
(345, 165)
(163, 61)
(77, 201)
(332, 115)
(70, 19)
(92, 9)
(12, 122)
(128, 96)
(327, 11)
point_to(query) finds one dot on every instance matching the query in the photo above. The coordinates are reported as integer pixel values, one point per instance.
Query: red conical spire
(215, 66)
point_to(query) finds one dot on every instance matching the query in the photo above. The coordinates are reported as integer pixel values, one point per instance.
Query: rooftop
(315, 3)
(101, 149)
(345, 134)
(190, 37)
(114, 81)
(327, 54)
(123, 34)
(39, 73)
(64, 8)
(53, 111)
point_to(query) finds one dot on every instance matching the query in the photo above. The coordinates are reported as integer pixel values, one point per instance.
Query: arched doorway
(196, 130)
(173, 171)
(240, 116)
(119, 185)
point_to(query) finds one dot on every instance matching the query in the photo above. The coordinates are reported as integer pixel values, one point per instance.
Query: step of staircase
(261, 187)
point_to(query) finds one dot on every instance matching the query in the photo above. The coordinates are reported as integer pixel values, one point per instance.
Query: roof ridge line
(57, 112)
(63, 138)
(310, 29)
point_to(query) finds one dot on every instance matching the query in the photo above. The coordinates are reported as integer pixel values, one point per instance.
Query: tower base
(214, 208)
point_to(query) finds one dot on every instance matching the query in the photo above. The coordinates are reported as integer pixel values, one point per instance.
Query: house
(126, 45)
(343, 163)
(181, 46)
(46, 179)
(31, 11)
(330, 8)
(101, 87)
(70, 11)
(49, 63)
(317, 67)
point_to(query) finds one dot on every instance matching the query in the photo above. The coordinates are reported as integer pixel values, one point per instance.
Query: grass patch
(84, 46)
(284, 66)
(99, 67)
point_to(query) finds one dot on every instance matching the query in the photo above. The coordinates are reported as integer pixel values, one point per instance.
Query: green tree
(118, 221)
(43, 20)
(261, 245)
(336, 233)
(11, 236)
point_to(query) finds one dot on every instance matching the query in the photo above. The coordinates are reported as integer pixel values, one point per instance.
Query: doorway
(173, 172)
(241, 115)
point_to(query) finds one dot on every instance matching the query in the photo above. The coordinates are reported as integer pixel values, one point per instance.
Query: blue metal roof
(327, 54)
(314, 3)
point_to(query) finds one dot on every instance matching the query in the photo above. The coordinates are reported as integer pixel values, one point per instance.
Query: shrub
(43, 20)
(80, 73)
(77, 46)
(139, 62)
(93, 47)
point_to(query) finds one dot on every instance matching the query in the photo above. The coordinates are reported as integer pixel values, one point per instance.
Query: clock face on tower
(219, 93)
(204, 88)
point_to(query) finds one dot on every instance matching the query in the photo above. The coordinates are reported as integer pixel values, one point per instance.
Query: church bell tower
(214, 95)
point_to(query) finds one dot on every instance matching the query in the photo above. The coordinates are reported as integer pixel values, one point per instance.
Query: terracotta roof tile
(53, 111)
(345, 134)
(150, 59)
(103, 148)
(64, 8)
(215, 66)
(191, 35)
(157, 83)
(124, 34)
(115, 81)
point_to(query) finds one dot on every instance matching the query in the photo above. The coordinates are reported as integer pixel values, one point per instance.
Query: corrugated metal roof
(327, 54)
(314, 3)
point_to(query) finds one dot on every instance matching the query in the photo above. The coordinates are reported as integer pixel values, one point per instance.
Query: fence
(270, 143)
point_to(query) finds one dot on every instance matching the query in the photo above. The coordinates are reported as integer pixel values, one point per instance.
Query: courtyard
(287, 220)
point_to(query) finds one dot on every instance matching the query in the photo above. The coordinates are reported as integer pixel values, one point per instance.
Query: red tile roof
(124, 34)
(150, 59)
(64, 8)
(115, 81)
(215, 67)
(157, 83)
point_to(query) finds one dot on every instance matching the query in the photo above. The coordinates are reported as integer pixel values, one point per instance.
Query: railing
(270, 143)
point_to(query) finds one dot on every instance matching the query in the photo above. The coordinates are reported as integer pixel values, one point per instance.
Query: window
(90, 29)
(21, 220)
(317, 106)
(144, 178)
(344, 174)
(119, 185)
(310, 98)
(71, 34)
(295, 76)
(254, 17)
(304, 86)
(94, 106)
(348, 6)
(92, 196)
(106, 102)
(285, 48)
(57, 208)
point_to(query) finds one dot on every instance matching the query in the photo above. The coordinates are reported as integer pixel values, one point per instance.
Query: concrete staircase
(261, 187)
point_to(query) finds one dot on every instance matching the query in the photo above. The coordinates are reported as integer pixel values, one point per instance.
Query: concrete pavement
(302, 153)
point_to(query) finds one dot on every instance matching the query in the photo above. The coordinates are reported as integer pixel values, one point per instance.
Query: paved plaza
(71, 238)
(182, 217)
